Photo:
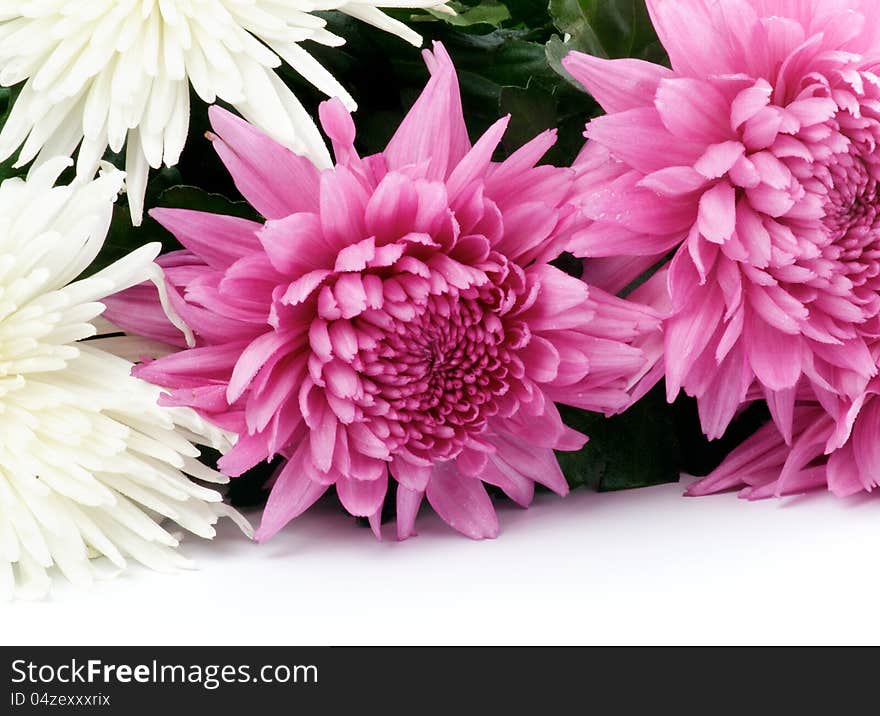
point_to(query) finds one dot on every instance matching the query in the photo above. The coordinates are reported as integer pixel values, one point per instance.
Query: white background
(644, 566)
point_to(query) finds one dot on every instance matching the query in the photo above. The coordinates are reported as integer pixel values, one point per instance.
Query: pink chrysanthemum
(842, 455)
(395, 314)
(755, 160)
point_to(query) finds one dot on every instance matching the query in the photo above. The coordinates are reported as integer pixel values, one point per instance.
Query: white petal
(90, 464)
(122, 56)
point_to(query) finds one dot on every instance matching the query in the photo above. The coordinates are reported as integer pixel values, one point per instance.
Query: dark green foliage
(635, 449)
(7, 99)
(607, 28)
(252, 488)
(700, 456)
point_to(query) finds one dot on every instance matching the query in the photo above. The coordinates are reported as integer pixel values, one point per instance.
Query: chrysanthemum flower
(88, 459)
(396, 314)
(114, 72)
(755, 160)
(842, 455)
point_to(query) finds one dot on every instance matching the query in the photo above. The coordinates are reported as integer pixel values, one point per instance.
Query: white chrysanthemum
(89, 462)
(101, 72)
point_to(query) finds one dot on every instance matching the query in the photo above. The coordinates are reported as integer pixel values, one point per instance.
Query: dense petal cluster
(115, 72)
(754, 159)
(819, 455)
(396, 314)
(87, 457)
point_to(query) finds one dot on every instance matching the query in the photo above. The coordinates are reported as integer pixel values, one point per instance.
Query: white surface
(644, 566)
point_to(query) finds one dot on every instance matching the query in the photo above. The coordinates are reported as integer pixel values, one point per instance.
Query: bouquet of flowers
(351, 269)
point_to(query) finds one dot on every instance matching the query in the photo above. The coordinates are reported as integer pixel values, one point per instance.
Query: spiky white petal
(89, 462)
(105, 72)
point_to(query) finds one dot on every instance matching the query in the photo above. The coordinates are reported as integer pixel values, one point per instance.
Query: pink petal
(725, 394)
(252, 359)
(606, 239)
(541, 359)
(693, 110)
(470, 463)
(687, 33)
(282, 384)
(274, 180)
(617, 85)
(408, 503)
(762, 129)
(391, 210)
(515, 485)
(362, 498)
(781, 405)
(477, 160)
(538, 464)
(322, 437)
(193, 366)
(527, 227)
(687, 333)
(337, 123)
(433, 131)
(708, 38)
(749, 102)
(342, 204)
(138, 310)
(357, 256)
(673, 181)
(717, 215)
(218, 240)
(462, 502)
(639, 138)
(813, 110)
(844, 475)
(751, 231)
(559, 295)
(770, 201)
(414, 477)
(292, 494)
(762, 450)
(295, 244)
(614, 273)
(774, 356)
(376, 523)
(515, 167)
(866, 445)
(718, 159)
(640, 210)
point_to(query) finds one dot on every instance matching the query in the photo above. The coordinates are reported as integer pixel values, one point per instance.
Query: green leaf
(8, 95)
(604, 28)
(503, 72)
(572, 17)
(607, 28)
(505, 57)
(532, 110)
(7, 99)
(488, 12)
(531, 14)
(635, 449)
(555, 50)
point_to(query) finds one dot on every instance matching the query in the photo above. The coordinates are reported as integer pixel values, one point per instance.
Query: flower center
(440, 371)
(831, 261)
(849, 264)
(851, 204)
